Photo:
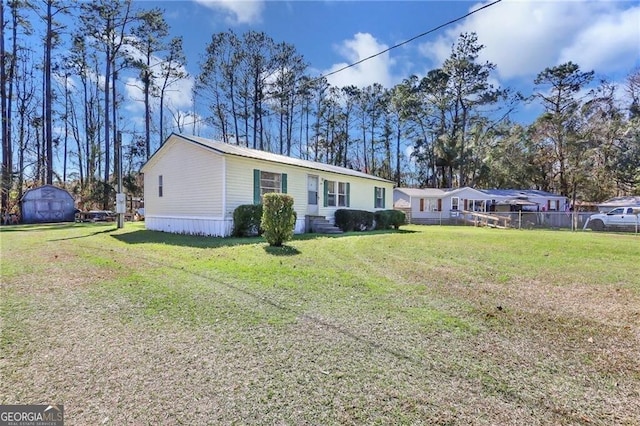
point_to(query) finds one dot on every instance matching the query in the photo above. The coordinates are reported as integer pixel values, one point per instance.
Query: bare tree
(106, 22)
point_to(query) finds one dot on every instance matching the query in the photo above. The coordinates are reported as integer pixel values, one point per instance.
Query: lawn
(428, 325)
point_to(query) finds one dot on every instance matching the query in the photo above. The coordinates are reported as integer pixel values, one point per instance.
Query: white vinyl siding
(189, 179)
(360, 194)
(241, 180)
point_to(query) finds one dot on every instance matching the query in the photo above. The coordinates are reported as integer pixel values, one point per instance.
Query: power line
(409, 40)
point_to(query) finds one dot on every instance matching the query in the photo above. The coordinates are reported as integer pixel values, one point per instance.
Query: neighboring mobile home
(433, 205)
(612, 203)
(192, 185)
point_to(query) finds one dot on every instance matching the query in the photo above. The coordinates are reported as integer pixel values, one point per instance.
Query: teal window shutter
(256, 186)
(284, 183)
(384, 198)
(348, 194)
(326, 194)
(375, 197)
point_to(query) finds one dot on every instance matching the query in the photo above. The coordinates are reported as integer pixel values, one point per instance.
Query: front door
(312, 197)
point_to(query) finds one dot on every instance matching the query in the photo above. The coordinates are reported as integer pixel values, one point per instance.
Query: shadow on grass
(104, 231)
(37, 227)
(198, 241)
(283, 250)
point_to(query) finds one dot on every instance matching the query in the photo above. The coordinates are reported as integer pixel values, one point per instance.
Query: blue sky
(522, 37)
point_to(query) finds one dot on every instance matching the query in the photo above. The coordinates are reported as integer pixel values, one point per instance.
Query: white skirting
(206, 226)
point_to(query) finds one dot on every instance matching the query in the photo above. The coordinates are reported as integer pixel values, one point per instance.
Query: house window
(379, 197)
(266, 182)
(160, 186)
(476, 205)
(336, 194)
(455, 201)
(428, 204)
(331, 193)
(270, 182)
(342, 194)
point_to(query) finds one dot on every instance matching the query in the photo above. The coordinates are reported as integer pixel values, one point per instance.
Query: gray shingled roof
(240, 151)
(621, 201)
(502, 193)
(423, 192)
(515, 193)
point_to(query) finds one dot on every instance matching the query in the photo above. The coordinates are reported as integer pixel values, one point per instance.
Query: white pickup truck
(621, 218)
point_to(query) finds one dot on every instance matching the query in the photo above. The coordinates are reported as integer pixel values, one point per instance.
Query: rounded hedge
(278, 218)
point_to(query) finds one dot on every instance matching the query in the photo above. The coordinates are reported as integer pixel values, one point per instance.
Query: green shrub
(382, 219)
(278, 218)
(387, 219)
(353, 220)
(246, 220)
(343, 220)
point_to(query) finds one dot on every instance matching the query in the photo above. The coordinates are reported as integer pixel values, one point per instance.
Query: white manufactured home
(192, 185)
(434, 205)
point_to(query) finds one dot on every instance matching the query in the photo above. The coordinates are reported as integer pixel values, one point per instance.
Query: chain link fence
(534, 220)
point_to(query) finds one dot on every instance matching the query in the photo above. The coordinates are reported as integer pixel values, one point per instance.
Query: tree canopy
(64, 103)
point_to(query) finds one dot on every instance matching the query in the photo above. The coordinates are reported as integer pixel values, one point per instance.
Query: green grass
(431, 325)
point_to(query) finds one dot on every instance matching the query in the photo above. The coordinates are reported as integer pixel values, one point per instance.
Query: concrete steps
(321, 225)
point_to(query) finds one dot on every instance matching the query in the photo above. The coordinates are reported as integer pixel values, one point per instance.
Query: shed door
(312, 197)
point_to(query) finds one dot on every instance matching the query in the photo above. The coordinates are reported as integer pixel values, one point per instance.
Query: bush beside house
(354, 220)
(387, 219)
(278, 218)
(246, 220)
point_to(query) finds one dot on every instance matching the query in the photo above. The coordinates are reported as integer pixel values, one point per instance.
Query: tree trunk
(147, 108)
(107, 124)
(48, 98)
(4, 102)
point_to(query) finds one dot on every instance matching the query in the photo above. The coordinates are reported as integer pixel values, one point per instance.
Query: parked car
(95, 216)
(620, 218)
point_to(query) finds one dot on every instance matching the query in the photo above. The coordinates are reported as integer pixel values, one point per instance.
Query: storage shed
(47, 204)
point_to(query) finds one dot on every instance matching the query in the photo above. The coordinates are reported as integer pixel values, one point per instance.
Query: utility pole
(121, 204)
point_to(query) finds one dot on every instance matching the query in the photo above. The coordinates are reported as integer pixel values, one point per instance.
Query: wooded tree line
(65, 100)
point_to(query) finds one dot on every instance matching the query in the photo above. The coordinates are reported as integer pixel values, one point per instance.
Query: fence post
(520, 219)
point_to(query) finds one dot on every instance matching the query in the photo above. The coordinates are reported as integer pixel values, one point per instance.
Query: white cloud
(133, 88)
(178, 95)
(523, 37)
(612, 41)
(237, 11)
(376, 70)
